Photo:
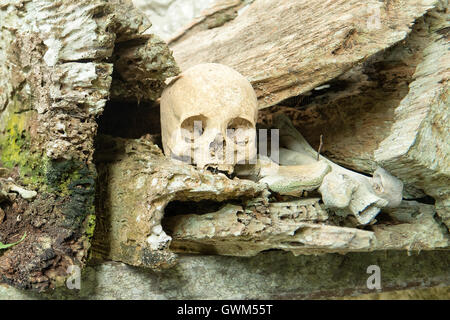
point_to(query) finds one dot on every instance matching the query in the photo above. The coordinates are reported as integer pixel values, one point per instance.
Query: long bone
(344, 191)
(293, 179)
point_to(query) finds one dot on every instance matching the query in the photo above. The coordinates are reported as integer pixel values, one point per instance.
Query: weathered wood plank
(417, 148)
(286, 48)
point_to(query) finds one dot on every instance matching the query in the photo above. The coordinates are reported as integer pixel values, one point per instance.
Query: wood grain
(286, 48)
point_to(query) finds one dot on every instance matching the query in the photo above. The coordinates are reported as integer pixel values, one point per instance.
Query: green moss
(71, 181)
(90, 225)
(74, 181)
(62, 174)
(15, 151)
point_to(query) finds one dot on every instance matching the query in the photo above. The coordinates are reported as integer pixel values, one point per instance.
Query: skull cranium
(208, 116)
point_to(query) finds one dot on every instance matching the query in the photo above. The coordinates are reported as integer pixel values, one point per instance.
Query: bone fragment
(293, 180)
(296, 226)
(343, 190)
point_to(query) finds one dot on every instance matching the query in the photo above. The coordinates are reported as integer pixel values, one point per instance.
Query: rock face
(390, 111)
(140, 183)
(417, 148)
(288, 57)
(297, 226)
(270, 275)
(169, 16)
(303, 225)
(56, 74)
(81, 146)
(151, 207)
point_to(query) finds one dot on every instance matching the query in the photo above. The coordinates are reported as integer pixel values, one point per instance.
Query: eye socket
(240, 130)
(193, 127)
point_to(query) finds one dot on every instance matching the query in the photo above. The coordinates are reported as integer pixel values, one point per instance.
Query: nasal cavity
(217, 145)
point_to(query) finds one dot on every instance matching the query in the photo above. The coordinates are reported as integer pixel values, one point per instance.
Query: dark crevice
(424, 200)
(293, 244)
(126, 119)
(176, 208)
(442, 224)
(386, 219)
(90, 60)
(301, 101)
(226, 173)
(271, 250)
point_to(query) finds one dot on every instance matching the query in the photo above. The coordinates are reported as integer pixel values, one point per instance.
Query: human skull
(208, 117)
